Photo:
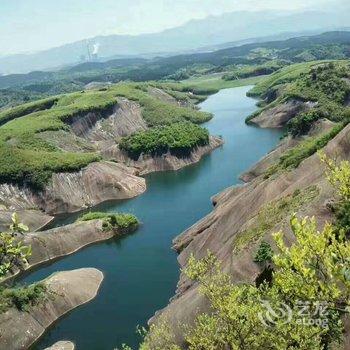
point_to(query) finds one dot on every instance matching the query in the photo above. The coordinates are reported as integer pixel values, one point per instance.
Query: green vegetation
(20, 88)
(271, 215)
(339, 177)
(247, 71)
(264, 253)
(323, 83)
(22, 297)
(178, 138)
(210, 84)
(292, 158)
(25, 158)
(120, 221)
(27, 108)
(12, 253)
(312, 273)
(284, 75)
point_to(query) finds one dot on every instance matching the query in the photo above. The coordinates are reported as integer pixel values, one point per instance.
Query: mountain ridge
(213, 30)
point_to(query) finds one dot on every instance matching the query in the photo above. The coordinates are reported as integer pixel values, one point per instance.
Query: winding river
(141, 270)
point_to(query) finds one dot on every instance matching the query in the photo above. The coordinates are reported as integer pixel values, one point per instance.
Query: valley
(114, 172)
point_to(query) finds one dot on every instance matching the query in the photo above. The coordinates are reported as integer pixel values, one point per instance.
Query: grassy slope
(26, 158)
(215, 82)
(316, 81)
(284, 75)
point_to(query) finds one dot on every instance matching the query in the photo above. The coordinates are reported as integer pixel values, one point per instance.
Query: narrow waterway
(141, 270)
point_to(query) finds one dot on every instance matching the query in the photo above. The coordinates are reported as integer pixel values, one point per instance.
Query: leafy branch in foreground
(12, 252)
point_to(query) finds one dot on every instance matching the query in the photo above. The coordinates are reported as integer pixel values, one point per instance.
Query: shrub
(179, 139)
(121, 221)
(13, 254)
(23, 297)
(264, 253)
(338, 175)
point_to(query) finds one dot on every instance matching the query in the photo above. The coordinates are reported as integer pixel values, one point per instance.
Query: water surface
(141, 270)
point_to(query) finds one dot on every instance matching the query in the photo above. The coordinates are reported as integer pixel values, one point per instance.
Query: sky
(33, 25)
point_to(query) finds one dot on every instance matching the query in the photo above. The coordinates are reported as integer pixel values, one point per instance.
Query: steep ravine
(141, 270)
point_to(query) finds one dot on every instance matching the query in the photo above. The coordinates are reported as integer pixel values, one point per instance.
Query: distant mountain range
(196, 35)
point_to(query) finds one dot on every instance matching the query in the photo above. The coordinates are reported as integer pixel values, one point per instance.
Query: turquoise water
(141, 270)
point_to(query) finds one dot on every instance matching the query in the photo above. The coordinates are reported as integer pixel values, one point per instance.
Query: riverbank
(173, 202)
(64, 291)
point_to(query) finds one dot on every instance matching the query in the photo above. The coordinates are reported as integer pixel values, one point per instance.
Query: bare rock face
(70, 192)
(62, 241)
(34, 219)
(278, 116)
(65, 291)
(147, 164)
(52, 244)
(236, 210)
(264, 163)
(62, 345)
(24, 202)
(98, 182)
(103, 129)
(320, 127)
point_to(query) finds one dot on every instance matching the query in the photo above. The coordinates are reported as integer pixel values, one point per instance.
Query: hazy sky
(31, 25)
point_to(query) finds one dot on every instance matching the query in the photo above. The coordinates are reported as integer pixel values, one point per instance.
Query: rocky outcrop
(103, 129)
(263, 164)
(71, 192)
(52, 244)
(147, 164)
(65, 291)
(97, 183)
(237, 210)
(278, 116)
(24, 202)
(34, 219)
(318, 128)
(62, 345)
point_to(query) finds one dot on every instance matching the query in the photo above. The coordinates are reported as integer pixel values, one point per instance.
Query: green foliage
(301, 124)
(246, 71)
(157, 112)
(323, 83)
(178, 138)
(120, 221)
(13, 254)
(338, 175)
(264, 253)
(22, 297)
(160, 337)
(19, 111)
(316, 267)
(17, 226)
(27, 159)
(292, 158)
(282, 76)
